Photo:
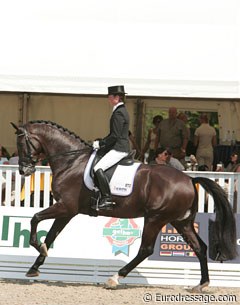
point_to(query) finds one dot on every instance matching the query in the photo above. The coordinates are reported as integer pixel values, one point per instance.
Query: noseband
(29, 157)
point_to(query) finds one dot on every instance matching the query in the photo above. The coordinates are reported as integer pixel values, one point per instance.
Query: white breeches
(108, 160)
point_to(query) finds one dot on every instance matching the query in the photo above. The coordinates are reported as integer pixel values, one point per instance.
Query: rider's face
(113, 99)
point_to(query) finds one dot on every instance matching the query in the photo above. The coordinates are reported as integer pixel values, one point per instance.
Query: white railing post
(37, 177)
(18, 187)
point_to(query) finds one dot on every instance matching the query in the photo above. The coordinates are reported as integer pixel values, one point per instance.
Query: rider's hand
(95, 145)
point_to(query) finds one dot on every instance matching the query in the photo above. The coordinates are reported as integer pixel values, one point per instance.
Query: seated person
(3, 161)
(232, 166)
(164, 156)
(3, 158)
(174, 162)
(161, 156)
(234, 163)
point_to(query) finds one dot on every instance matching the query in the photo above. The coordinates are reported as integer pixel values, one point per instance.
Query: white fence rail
(32, 191)
(35, 191)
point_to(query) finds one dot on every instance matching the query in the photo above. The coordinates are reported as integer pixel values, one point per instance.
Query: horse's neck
(57, 143)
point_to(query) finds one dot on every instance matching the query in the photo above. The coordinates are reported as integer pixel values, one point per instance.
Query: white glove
(95, 145)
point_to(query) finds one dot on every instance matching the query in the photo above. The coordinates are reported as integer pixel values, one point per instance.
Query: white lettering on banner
(121, 232)
(172, 238)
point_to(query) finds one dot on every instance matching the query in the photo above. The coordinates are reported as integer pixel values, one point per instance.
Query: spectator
(233, 166)
(174, 162)
(183, 117)
(134, 144)
(234, 163)
(3, 153)
(14, 161)
(205, 140)
(190, 149)
(3, 160)
(161, 156)
(173, 134)
(14, 158)
(164, 156)
(151, 139)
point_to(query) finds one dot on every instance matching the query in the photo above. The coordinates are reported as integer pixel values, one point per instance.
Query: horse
(160, 194)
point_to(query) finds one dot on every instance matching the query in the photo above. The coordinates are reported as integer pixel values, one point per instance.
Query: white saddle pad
(121, 183)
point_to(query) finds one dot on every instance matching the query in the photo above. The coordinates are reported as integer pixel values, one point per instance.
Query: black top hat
(113, 90)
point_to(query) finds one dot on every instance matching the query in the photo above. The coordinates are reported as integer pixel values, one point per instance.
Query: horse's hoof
(111, 283)
(199, 288)
(43, 249)
(32, 273)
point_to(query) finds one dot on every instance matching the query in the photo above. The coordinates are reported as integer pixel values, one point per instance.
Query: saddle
(120, 176)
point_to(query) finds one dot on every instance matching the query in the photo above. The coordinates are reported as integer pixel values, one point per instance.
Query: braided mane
(61, 128)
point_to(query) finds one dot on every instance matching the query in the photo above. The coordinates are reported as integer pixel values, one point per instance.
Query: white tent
(175, 48)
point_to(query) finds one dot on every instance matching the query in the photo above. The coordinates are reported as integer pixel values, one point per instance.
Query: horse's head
(29, 149)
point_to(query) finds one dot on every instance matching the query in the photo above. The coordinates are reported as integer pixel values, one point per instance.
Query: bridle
(29, 158)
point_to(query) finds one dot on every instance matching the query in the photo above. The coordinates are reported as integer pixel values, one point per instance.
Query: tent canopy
(153, 47)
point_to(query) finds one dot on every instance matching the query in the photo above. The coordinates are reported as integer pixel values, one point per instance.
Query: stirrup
(105, 203)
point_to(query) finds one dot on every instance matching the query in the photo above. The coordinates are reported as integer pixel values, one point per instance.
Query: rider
(115, 144)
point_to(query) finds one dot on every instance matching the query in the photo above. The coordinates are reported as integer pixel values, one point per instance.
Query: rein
(66, 153)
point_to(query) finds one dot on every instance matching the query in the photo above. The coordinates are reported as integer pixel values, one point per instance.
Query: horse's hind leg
(149, 235)
(56, 228)
(186, 229)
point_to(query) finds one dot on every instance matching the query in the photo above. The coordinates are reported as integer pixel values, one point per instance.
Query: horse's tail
(223, 239)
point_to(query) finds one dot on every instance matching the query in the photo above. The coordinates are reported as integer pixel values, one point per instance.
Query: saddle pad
(121, 183)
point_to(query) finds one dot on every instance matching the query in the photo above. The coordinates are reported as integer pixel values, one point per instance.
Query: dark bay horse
(161, 195)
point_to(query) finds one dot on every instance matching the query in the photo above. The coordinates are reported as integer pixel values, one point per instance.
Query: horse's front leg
(56, 228)
(33, 235)
(58, 210)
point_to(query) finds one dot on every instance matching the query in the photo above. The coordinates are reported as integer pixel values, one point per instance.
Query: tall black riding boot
(103, 184)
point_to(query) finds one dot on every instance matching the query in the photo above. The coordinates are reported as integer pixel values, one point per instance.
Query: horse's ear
(14, 126)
